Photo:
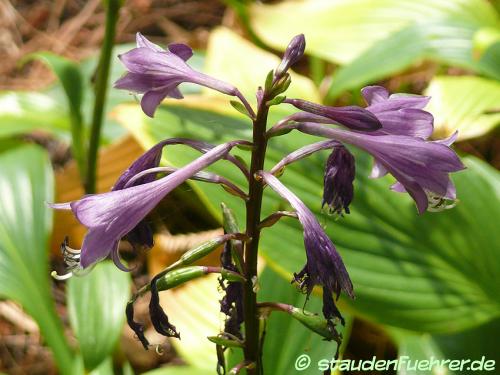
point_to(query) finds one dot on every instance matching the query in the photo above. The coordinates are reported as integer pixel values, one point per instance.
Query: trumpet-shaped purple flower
(352, 117)
(111, 216)
(338, 189)
(324, 265)
(156, 73)
(421, 167)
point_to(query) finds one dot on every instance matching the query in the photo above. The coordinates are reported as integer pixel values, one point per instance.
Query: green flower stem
(101, 85)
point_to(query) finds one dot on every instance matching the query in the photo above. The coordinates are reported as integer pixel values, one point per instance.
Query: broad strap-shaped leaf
(72, 80)
(22, 112)
(468, 104)
(445, 41)
(96, 306)
(26, 184)
(469, 350)
(373, 39)
(425, 273)
(340, 31)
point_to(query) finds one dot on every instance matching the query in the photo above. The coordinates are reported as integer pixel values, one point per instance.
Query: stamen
(66, 276)
(438, 203)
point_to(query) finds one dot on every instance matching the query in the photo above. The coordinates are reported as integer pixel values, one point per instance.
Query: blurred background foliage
(425, 285)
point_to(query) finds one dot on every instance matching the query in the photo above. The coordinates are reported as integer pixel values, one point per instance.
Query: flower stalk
(101, 88)
(253, 211)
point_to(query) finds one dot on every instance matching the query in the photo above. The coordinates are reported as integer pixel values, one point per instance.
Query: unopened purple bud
(338, 180)
(293, 53)
(352, 117)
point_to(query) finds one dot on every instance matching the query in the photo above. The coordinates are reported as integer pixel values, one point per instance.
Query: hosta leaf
(22, 112)
(70, 76)
(471, 348)
(96, 306)
(26, 184)
(374, 39)
(340, 31)
(72, 80)
(446, 42)
(462, 103)
(426, 273)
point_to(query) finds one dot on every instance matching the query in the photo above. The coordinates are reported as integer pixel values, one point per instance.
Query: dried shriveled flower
(324, 265)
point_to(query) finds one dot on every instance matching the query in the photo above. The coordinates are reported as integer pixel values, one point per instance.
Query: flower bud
(293, 53)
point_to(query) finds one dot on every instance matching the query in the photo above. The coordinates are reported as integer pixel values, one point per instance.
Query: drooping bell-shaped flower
(324, 265)
(338, 188)
(421, 167)
(156, 73)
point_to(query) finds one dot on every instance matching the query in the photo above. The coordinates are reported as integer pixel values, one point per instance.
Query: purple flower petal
(142, 42)
(152, 99)
(183, 51)
(374, 94)
(399, 113)
(157, 73)
(378, 170)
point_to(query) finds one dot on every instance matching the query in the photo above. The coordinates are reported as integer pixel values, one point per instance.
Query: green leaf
(72, 80)
(433, 272)
(444, 41)
(341, 31)
(489, 63)
(471, 345)
(22, 112)
(462, 103)
(96, 306)
(70, 76)
(26, 184)
(374, 39)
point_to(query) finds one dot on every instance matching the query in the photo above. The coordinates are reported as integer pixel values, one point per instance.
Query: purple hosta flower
(421, 167)
(293, 53)
(324, 265)
(400, 114)
(111, 216)
(338, 189)
(156, 73)
(352, 117)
